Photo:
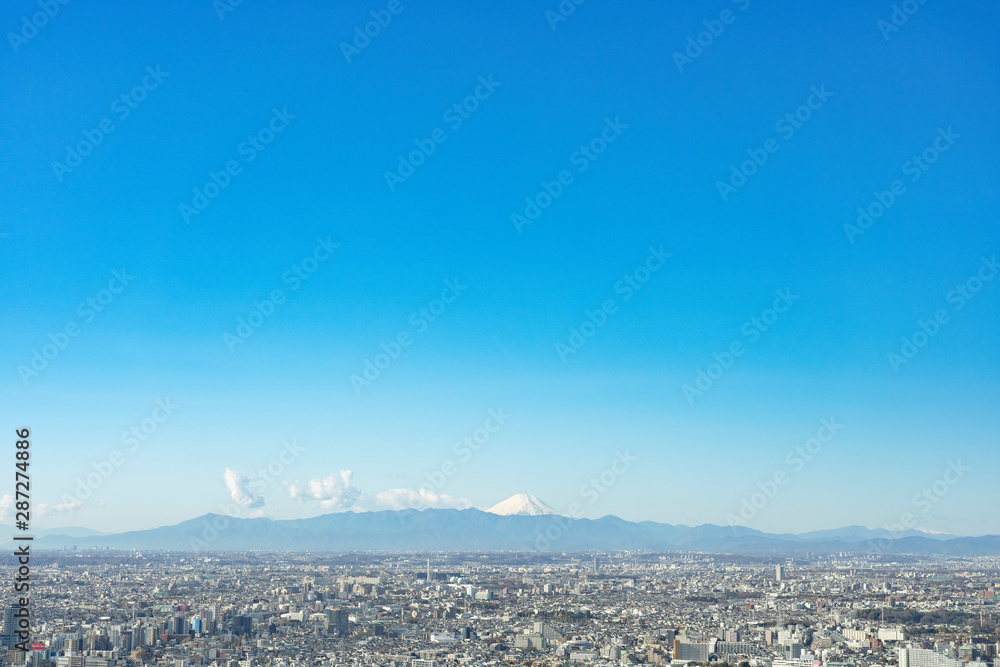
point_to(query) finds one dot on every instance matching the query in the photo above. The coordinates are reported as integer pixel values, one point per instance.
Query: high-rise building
(793, 650)
(339, 623)
(612, 653)
(734, 648)
(543, 629)
(239, 625)
(697, 651)
(530, 641)
(148, 637)
(8, 632)
(918, 657)
(779, 572)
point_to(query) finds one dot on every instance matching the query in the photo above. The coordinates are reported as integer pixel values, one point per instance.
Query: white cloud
(398, 499)
(6, 502)
(338, 492)
(44, 509)
(238, 485)
(334, 492)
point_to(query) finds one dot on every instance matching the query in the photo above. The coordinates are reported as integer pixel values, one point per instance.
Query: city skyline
(424, 609)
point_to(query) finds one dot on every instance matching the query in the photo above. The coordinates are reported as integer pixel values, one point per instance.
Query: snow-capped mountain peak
(522, 504)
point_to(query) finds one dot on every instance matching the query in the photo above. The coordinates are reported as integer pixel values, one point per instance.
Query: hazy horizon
(894, 530)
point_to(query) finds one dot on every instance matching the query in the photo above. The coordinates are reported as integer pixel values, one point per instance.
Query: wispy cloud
(44, 509)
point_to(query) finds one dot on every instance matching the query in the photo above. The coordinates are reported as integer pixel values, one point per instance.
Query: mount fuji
(522, 504)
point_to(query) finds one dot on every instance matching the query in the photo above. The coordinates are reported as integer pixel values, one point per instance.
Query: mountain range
(476, 530)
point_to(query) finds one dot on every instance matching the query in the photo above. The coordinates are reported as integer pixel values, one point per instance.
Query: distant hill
(860, 533)
(473, 529)
(69, 531)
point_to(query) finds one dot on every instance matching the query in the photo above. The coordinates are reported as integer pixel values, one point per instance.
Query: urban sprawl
(102, 608)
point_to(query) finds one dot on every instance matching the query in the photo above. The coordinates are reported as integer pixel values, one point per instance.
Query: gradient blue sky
(495, 345)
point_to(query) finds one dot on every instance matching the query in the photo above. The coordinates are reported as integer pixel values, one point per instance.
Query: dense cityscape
(296, 292)
(103, 608)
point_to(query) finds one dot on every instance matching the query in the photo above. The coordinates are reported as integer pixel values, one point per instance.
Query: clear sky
(634, 144)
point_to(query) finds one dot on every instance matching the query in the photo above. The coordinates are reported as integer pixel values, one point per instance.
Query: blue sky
(336, 127)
